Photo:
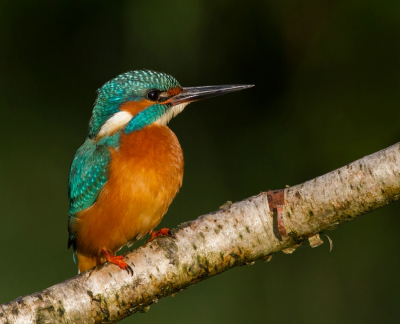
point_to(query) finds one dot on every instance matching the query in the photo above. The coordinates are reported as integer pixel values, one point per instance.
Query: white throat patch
(175, 110)
(116, 122)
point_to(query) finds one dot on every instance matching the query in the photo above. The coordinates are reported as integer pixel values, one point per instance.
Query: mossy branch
(237, 234)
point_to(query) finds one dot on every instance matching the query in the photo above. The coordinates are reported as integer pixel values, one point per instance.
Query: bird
(125, 175)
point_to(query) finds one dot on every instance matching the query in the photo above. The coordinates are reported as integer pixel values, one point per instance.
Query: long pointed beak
(199, 93)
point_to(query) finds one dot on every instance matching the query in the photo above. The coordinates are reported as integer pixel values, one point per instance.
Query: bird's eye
(153, 95)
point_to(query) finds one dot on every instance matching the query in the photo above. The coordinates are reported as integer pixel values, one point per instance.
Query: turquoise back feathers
(88, 174)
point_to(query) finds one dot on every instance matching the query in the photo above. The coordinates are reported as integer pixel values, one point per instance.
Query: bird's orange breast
(145, 174)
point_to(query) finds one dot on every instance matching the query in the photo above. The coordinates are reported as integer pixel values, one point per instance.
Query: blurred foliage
(327, 92)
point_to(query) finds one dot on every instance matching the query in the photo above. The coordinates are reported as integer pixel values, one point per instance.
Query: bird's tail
(88, 262)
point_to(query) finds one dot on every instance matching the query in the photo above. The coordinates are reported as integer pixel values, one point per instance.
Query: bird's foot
(111, 258)
(163, 231)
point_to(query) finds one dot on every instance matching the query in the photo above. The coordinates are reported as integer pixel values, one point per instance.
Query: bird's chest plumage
(145, 174)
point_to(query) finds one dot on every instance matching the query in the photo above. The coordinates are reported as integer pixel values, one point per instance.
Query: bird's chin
(171, 113)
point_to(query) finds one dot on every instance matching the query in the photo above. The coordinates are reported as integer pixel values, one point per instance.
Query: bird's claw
(117, 260)
(170, 234)
(123, 265)
(161, 232)
(129, 270)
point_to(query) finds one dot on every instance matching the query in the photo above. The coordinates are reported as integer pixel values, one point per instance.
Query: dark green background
(327, 78)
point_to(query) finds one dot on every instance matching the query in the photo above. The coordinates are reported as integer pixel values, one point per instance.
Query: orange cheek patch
(174, 91)
(135, 107)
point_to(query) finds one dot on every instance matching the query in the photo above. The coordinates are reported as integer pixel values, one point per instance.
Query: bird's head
(136, 99)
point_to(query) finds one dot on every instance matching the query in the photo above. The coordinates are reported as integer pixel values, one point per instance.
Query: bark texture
(237, 234)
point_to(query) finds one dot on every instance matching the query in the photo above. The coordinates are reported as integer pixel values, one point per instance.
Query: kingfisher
(130, 167)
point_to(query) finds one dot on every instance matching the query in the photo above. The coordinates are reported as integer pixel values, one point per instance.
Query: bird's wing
(88, 174)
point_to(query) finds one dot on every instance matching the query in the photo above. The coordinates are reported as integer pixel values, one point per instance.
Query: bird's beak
(192, 94)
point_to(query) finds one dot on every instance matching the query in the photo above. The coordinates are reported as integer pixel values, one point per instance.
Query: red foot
(111, 258)
(163, 231)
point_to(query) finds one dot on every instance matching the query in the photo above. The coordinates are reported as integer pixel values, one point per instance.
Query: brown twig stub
(275, 198)
(235, 235)
(276, 203)
(280, 210)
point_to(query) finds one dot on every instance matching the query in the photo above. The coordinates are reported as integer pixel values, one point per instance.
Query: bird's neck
(155, 143)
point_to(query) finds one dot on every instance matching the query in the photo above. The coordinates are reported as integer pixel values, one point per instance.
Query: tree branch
(235, 235)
